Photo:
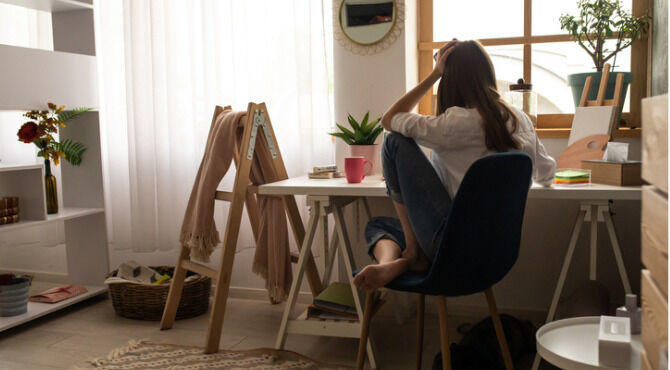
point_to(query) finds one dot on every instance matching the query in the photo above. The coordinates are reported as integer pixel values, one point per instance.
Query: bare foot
(376, 276)
(418, 262)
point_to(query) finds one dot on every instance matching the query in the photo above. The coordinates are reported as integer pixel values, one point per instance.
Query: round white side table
(573, 344)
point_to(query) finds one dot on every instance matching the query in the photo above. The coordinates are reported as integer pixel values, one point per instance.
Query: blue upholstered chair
(480, 244)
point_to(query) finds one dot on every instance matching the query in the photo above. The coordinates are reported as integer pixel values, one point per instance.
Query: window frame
(548, 125)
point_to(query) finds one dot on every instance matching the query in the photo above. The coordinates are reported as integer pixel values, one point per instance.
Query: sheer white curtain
(164, 65)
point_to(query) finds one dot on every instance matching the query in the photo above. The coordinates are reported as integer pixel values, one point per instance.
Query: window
(526, 41)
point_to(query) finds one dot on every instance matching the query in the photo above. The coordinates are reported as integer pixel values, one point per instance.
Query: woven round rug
(143, 354)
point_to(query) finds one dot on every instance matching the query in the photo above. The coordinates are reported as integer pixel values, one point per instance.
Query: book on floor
(315, 312)
(338, 298)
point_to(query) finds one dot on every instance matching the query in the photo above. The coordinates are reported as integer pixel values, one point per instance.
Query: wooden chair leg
(497, 324)
(365, 330)
(444, 335)
(420, 309)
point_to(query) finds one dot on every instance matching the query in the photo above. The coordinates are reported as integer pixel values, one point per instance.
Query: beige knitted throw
(198, 232)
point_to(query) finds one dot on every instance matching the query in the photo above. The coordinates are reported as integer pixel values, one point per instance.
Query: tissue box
(614, 342)
(614, 173)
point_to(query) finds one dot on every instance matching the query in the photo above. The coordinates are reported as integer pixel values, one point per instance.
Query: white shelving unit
(67, 76)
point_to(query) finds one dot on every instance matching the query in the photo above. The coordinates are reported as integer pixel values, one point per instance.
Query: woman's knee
(395, 142)
(381, 225)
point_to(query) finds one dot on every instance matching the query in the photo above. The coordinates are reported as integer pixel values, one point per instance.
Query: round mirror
(367, 22)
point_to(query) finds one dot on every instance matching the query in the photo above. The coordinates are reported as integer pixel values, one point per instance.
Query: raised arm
(407, 102)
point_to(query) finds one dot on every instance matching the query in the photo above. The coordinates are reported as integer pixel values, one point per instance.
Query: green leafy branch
(67, 115)
(599, 20)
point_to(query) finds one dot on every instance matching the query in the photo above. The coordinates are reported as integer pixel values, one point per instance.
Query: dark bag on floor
(479, 348)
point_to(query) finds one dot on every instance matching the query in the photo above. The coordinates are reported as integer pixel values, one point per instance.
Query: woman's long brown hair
(469, 81)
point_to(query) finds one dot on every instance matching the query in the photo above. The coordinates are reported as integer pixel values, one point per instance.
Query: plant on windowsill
(39, 131)
(361, 138)
(597, 21)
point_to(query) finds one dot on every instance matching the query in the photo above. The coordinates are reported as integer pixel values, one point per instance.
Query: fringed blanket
(198, 232)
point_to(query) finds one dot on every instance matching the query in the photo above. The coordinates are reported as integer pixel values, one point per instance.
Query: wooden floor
(91, 329)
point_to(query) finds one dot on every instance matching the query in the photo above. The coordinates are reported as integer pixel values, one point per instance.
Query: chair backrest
(480, 240)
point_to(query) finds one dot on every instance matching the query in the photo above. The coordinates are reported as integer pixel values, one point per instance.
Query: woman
(472, 121)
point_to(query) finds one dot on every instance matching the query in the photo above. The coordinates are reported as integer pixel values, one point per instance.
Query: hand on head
(442, 54)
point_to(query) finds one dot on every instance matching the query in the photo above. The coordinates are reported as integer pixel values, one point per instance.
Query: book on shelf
(9, 210)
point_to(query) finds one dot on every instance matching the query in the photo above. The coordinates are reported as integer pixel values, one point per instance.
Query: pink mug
(354, 169)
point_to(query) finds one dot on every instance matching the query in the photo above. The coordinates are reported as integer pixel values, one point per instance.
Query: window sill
(564, 133)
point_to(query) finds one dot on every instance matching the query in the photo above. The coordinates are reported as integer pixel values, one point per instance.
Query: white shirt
(457, 139)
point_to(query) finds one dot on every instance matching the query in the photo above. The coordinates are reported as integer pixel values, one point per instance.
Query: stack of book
(9, 210)
(336, 302)
(325, 172)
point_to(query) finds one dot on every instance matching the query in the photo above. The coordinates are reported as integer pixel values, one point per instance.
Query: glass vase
(50, 188)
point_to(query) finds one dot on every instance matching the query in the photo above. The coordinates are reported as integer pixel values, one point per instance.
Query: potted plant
(41, 134)
(597, 21)
(361, 138)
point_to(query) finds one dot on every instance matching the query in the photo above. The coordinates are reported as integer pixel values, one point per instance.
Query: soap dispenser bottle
(632, 311)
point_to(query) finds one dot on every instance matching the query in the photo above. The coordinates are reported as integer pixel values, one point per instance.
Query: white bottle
(632, 311)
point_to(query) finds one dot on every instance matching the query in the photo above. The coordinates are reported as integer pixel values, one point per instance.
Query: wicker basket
(146, 302)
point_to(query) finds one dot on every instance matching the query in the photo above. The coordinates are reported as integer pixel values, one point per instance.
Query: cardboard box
(614, 173)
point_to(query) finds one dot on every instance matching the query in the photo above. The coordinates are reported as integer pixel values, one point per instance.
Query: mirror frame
(395, 18)
(368, 49)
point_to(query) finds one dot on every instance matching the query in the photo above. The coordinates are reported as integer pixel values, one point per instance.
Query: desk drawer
(654, 319)
(655, 141)
(654, 235)
(655, 216)
(656, 261)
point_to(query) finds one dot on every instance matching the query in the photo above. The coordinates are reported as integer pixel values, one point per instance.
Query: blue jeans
(412, 181)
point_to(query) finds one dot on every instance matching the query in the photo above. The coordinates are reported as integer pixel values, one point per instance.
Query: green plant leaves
(73, 151)
(70, 114)
(363, 133)
(603, 19)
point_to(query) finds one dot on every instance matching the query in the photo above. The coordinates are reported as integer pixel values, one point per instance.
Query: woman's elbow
(386, 120)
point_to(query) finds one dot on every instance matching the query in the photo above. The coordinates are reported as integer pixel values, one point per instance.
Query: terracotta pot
(369, 152)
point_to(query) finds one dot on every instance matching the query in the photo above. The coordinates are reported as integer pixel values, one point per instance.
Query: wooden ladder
(258, 135)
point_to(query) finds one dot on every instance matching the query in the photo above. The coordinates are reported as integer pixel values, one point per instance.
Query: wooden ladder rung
(198, 268)
(228, 196)
(224, 195)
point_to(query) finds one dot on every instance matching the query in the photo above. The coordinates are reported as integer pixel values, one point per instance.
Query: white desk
(326, 196)
(374, 186)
